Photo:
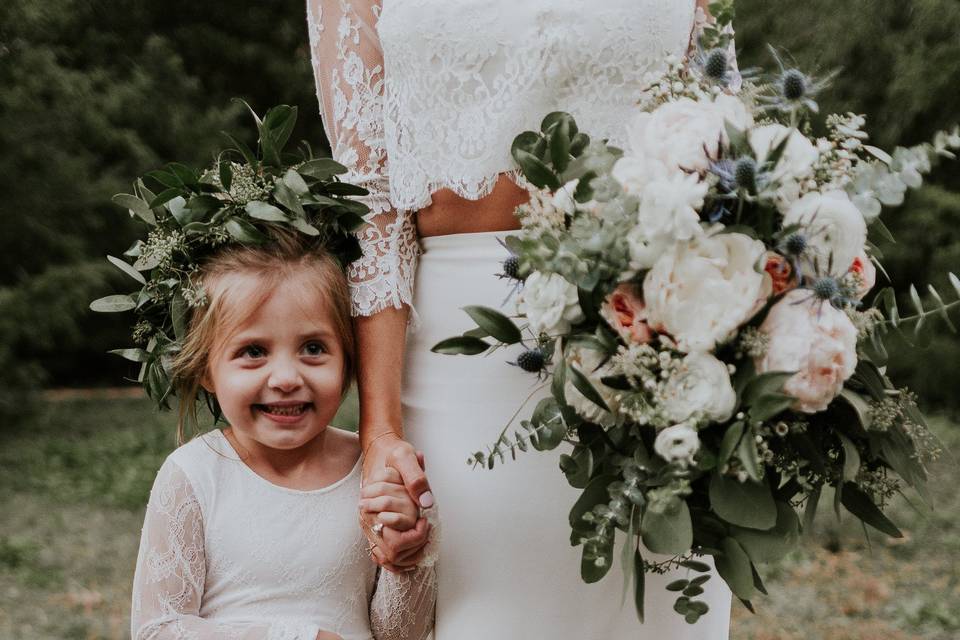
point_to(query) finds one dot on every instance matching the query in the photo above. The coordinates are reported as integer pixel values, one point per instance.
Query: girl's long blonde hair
(288, 255)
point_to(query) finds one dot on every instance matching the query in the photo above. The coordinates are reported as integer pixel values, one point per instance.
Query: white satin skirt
(507, 569)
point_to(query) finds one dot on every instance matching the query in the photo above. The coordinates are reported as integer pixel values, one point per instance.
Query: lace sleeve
(403, 605)
(348, 70)
(171, 567)
(703, 19)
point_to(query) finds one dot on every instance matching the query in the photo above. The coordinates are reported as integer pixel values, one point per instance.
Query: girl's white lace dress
(421, 95)
(227, 555)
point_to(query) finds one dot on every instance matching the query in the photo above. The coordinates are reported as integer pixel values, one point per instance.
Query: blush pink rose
(625, 312)
(780, 271)
(866, 274)
(816, 340)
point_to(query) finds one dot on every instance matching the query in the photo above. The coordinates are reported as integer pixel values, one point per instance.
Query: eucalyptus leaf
(296, 182)
(859, 504)
(265, 211)
(582, 384)
(639, 588)
(304, 227)
(321, 168)
(731, 438)
(243, 231)
(133, 355)
(551, 428)
(137, 207)
(851, 458)
(494, 323)
(595, 493)
(286, 196)
(178, 315)
(461, 345)
(113, 304)
(669, 532)
(538, 173)
(124, 266)
(746, 504)
(772, 545)
(733, 565)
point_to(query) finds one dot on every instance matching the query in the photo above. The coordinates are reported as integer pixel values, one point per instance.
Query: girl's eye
(314, 348)
(252, 351)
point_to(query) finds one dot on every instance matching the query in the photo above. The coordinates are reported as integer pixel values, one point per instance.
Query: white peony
(685, 133)
(678, 443)
(701, 388)
(668, 212)
(834, 228)
(816, 340)
(588, 362)
(798, 157)
(550, 303)
(700, 292)
(635, 171)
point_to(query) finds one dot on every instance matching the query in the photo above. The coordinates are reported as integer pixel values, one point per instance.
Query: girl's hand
(392, 451)
(385, 499)
(327, 635)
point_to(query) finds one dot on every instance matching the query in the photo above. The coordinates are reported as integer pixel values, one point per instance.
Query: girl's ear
(206, 381)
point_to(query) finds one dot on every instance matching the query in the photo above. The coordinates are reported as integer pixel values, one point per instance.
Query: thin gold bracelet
(385, 433)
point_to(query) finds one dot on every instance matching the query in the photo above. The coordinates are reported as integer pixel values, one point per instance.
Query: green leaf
(595, 493)
(590, 572)
(279, 122)
(639, 583)
(560, 145)
(296, 183)
(730, 440)
(244, 150)
(733, 565)
(559, 382)
(577, 467)
(178, 315)
(552, 429)
(851, 458)
(764, 384)
(772, 545)
(286, 196)
(860, 406)
(462, 345)
(771, 404)
(626, 552)
(582, 384)
(670, 532)
(113, 304)
(321, 168)
(859, 504)
(226, 175)
(810, 510)
(747, 504)
(165, 196)
(539, 174)
(127, 269)
(265, 211)
(494, 323)
(243, 231)
(133, 355)
(303, 226)
(137, 207)
(749, 457)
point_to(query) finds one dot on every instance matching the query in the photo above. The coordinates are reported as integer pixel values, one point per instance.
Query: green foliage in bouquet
(190, 214)
(686, 437)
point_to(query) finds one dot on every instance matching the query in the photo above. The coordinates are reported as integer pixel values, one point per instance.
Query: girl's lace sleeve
(404, 604)
(703, 19)
(348, 70)
(171, 567)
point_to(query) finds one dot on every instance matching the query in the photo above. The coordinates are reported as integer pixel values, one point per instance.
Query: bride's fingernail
(426, 500)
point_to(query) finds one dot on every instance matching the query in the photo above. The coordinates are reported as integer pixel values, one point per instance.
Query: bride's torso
(462, 79)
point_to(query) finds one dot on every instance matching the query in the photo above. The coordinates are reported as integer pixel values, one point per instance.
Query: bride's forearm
(381, 340)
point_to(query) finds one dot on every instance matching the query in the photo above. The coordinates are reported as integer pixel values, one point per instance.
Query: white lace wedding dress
(421, 95)
(227, 555)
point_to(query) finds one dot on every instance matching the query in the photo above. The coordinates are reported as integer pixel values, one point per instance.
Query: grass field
(74, 481)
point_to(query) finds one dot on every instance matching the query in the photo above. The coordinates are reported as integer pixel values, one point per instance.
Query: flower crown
(239, 200)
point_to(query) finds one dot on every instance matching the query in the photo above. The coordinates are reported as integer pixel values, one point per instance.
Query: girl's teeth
(286, 411)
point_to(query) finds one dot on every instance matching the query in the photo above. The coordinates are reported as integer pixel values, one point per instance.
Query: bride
(421, 100)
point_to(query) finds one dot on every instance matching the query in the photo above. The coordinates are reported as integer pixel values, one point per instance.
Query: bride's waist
(449, 213)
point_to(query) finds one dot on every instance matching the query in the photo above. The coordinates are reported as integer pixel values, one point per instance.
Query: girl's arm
(403, 604)
(171, 569)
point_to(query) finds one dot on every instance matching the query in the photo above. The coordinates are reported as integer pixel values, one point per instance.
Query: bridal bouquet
(694, 304)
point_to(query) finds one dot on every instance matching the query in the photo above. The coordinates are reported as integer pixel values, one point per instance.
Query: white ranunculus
(588, 362)
(550, 303)
(816, 340)
(678, 443)
(700, 292)
(668, 212)
(685, 133)
(834, 228)
(700, 389)
(798, 157)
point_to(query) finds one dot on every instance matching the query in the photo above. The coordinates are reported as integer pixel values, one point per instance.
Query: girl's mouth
(283, 412)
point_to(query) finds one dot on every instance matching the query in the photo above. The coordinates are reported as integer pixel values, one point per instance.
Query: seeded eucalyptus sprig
(189, 214)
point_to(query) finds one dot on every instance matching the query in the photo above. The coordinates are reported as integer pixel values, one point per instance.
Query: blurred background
(94, 93)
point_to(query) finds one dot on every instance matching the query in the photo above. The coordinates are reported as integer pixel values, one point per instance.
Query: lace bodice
(421, 95)
(226, 555)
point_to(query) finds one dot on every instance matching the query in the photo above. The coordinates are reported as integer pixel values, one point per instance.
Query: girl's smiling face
(279, 374)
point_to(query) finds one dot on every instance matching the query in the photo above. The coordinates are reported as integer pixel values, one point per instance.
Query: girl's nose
(285, 376)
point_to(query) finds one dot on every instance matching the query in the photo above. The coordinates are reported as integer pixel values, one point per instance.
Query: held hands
(394, 485)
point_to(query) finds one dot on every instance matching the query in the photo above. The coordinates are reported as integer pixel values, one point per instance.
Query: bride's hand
(327, 635)
(385, 499)
(396, 549)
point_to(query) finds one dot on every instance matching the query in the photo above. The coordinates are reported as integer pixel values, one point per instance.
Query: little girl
(251, 532)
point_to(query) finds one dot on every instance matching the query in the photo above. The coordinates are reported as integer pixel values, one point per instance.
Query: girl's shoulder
(200, 456)
(346, 446)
